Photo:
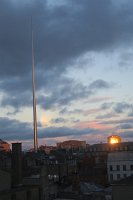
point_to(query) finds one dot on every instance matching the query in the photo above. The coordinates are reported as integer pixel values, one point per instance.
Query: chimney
(16, 165)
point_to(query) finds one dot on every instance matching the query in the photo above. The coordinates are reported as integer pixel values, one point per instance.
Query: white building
(119, 165)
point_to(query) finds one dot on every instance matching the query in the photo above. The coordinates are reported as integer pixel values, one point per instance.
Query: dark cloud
(130, 113)
(66, 111)
(99, 99)
(58, 120)
(106, 105)
(79, 112)
(17, 102)
(100, 84)
(53, 132)
(62, 120)
(126, 60)
(126, 126)
(122, 106)
(71, 91)
(57, 92)
(118, 121)
(106, 116)
(127, 134)
(16, 130)
(62, 34)
(118, 107)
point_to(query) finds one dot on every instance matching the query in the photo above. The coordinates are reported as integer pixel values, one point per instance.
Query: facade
(4, 146)
(34, 186)
(5, 180)
(123, 189)
(72, 144)
(90, 169)
(105, 148)
(119, 165)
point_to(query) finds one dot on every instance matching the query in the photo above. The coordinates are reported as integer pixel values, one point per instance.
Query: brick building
(4, 146)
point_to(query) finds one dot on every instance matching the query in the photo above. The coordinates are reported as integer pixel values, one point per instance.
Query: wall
(119, 159)
(31, 193)
(123, 192)
(5, 180)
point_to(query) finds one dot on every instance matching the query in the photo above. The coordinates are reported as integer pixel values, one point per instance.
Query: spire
(34, 96)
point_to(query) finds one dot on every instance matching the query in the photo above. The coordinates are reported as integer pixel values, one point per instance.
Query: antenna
(34, 96)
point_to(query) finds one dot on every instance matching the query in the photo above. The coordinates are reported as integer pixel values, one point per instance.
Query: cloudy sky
(83, 70)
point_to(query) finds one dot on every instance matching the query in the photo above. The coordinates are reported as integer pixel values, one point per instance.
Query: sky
(83, 70)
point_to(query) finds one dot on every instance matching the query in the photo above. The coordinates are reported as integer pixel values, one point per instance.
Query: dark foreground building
(14, 186)
(123, 189)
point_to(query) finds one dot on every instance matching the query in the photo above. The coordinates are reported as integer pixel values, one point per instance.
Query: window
(111, 168)
(111, 177)
(131, 167)
(118, 167)
(118, 176)
(125, 175)
(124, 167)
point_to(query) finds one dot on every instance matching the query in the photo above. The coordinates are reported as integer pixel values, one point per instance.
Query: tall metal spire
(34, 96)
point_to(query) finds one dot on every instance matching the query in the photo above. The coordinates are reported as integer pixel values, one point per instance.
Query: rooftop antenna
(33, 91)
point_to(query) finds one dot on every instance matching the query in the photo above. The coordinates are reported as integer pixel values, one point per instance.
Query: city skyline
(83, 70)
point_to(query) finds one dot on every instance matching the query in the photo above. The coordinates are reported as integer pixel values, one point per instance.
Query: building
(5, 180)
(123, 189)
(72, 144)
(100, 154)
(4, 146)
(119, 165)
(35, 186)
(46, 149)
(105, 148)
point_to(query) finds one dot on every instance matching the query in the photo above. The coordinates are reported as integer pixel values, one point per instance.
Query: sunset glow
(114, 139)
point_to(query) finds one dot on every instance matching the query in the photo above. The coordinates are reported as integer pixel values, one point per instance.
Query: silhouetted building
(5, 180)
(72, 144)
(91, 170)
(123, 189)
(46, 149)
(16, 165)
(105, 148)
